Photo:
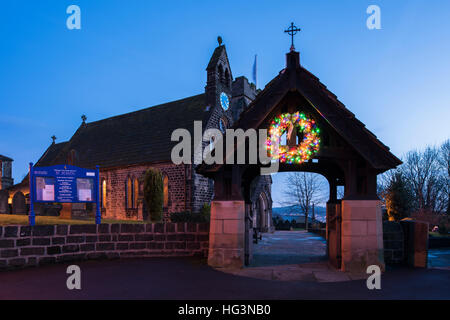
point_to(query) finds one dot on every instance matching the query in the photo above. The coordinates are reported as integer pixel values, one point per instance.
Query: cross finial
(292, 31)
(53, 138)
(83, 118)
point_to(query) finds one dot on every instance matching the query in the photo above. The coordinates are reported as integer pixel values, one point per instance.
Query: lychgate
(323, 137)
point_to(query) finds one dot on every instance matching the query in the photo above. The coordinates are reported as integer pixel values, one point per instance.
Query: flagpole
(255, 71)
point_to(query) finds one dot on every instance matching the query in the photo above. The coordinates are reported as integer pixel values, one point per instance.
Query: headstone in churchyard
(4, 207)
(19, 204)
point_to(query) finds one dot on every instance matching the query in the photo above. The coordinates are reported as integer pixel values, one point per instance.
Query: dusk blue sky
(134, 54)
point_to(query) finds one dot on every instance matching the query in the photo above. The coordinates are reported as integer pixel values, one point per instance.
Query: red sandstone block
(104, 238)
(143, 237)
(23, 242)
(11, 232)
(75, 239)
(43, 230)
(6, 243)
(33, 251)
(25, 231)
(9, 253)
(17, 262)
(354, 228)
(83, 229)
(138, 245)
(70, 248)
(41, 241)
(104, 246)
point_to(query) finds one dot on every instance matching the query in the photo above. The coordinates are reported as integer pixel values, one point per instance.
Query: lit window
(129, 193)
(136, 192)
(104, 193)
(166, 191)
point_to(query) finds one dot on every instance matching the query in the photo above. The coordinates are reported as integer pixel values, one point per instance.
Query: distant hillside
(295, 213)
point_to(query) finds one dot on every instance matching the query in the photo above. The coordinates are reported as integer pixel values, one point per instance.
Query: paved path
(187, 279)
(292, 256)
(301, 256)
(439, 258)
(288, 247)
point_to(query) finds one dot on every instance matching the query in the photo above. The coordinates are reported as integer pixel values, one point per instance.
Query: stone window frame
(166, 191)
(129, 192)
(103, 193)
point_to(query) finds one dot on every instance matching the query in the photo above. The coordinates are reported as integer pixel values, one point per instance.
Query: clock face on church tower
(224, 101)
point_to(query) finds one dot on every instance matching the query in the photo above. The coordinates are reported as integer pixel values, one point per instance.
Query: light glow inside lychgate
(301, 152)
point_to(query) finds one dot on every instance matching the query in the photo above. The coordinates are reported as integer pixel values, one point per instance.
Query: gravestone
(4, 207)
(19, 204)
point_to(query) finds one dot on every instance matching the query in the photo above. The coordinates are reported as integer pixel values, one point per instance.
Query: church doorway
(262, 217)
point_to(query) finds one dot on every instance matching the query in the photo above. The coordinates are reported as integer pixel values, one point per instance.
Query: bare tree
(444, 161)
(303, 189)
(424, 176)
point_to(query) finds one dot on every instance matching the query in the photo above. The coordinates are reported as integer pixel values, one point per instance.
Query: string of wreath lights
(300, 153)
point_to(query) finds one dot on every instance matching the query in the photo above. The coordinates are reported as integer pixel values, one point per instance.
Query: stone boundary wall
(393, 240)
(26, 246)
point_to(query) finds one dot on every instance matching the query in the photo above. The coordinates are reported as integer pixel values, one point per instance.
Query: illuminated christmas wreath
(300, 153)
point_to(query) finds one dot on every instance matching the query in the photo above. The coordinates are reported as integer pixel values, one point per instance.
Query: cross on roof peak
(292, 31)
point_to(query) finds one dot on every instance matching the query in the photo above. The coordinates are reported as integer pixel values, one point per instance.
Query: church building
(125, 146)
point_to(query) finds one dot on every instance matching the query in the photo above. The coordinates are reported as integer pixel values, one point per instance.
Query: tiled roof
(50, 154)
(142, 136)
(3, 158)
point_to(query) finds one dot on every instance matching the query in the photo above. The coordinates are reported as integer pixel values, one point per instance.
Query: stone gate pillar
(227, 234)
(362, 235)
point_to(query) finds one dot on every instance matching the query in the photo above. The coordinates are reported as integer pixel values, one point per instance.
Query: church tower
(219, 79)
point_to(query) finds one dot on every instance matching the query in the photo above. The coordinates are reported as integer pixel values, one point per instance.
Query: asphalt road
(190, 279)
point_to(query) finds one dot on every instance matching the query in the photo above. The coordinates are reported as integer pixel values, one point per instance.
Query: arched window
(136, 193)
(227, 78)
(220, 73)
(103, 193)
(129, 193)
(72, 157)
(222, 125)
(166, 191)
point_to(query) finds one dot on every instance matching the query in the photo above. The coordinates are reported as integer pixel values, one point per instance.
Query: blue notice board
(64, 184)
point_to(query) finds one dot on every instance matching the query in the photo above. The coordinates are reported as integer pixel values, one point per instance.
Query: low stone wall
(25, 246)
(321, 232)
(393, 240)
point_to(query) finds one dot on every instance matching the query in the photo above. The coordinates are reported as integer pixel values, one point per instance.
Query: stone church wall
(179, 189)
(25, 246)
(203, 191)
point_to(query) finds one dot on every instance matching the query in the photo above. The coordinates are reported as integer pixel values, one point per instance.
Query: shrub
(398, 198)
(444, 226)
(205, 211)
(154, 194)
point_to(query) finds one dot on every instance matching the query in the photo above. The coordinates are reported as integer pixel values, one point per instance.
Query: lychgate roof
(295, 77)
